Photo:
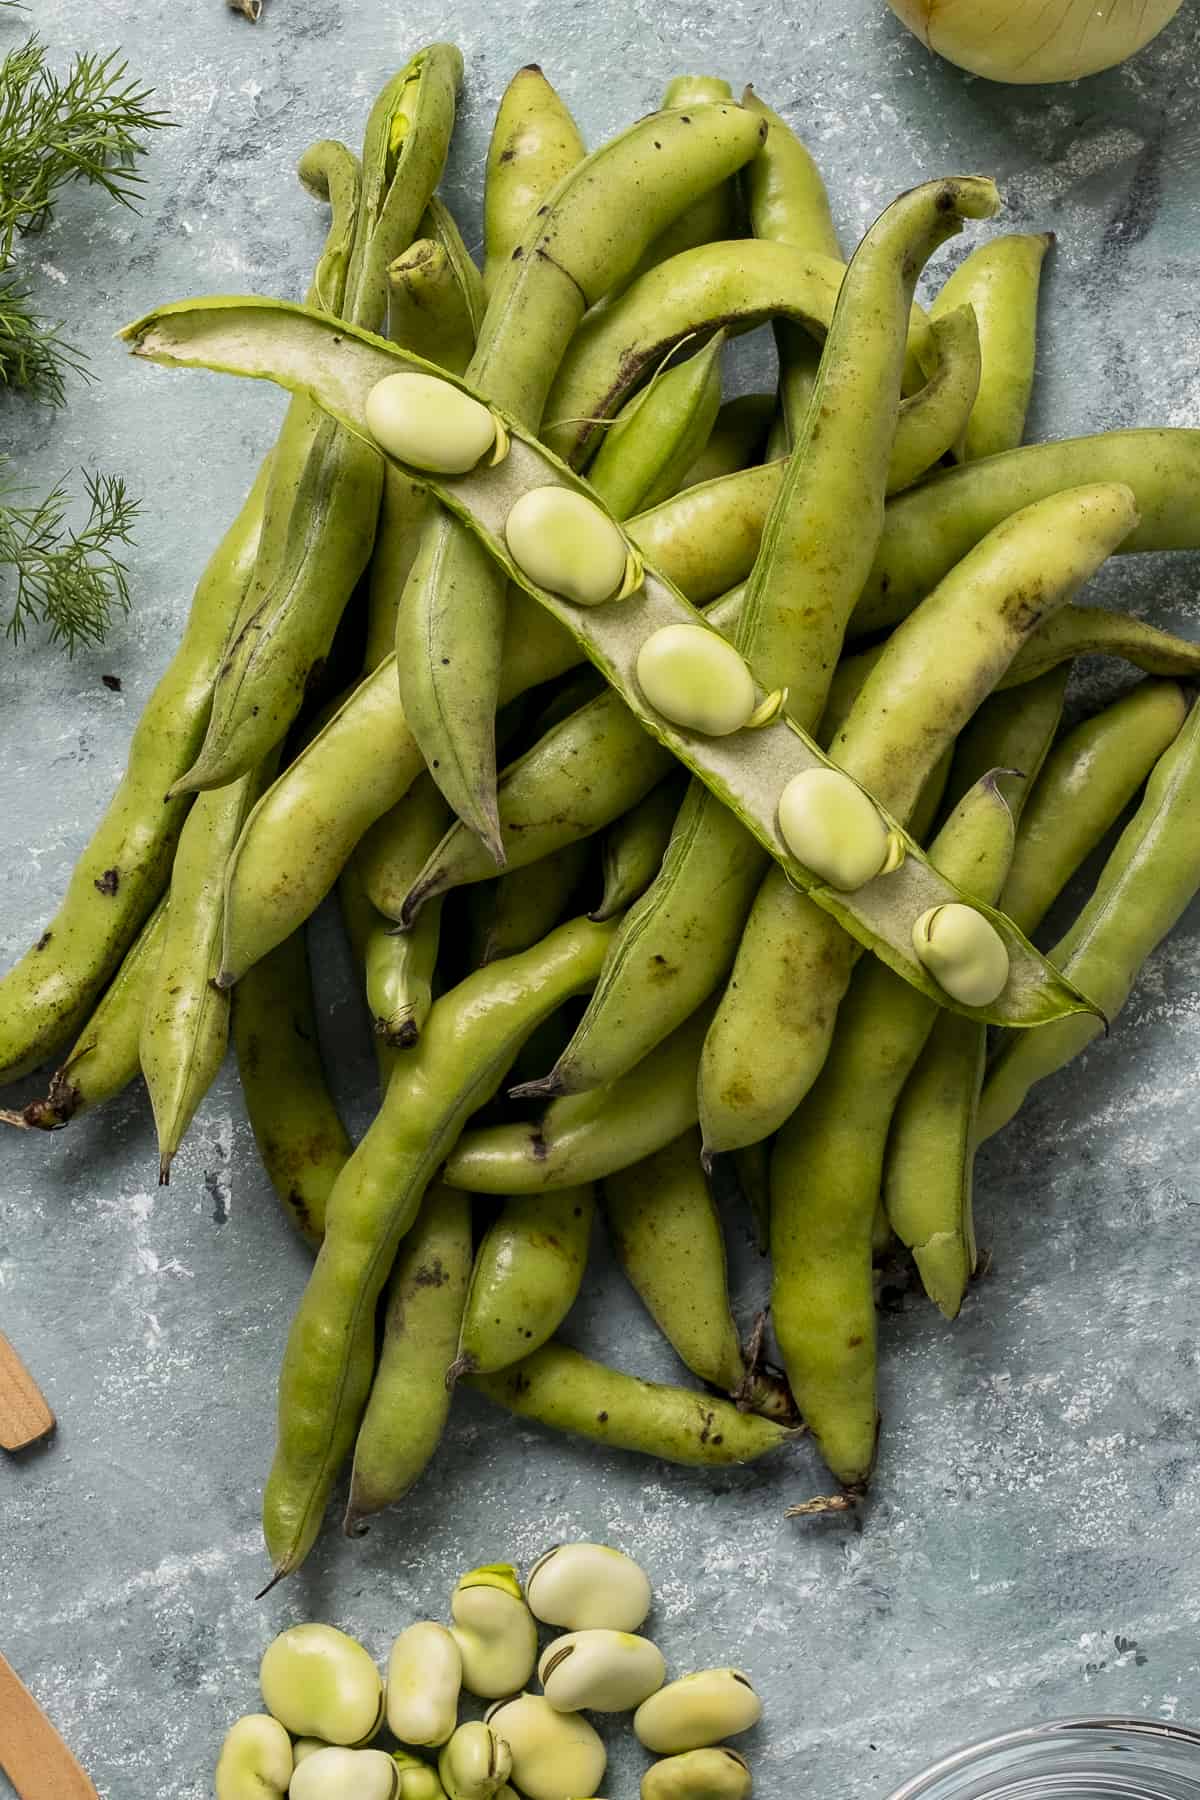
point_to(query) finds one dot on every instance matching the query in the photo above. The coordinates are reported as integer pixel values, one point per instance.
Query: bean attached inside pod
(715, 1773)
(832, 827)
(600, 1671)
(476, 1763)
(695, 678)
(424, 1679)
(255, 1761)
(334, 1772)
(568, 544)
(588, 1587)
(321, 1683)
(697, 1711)
(494, 1631)
(431, 424)
(555, 1755)
(963, 952)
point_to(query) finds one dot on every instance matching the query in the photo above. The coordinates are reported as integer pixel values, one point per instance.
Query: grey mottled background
(1031, 1548)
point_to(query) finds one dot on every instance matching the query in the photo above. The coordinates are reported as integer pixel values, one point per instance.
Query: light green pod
(105, 1057)
(560, 1388)
(697, 1711)
(494, 1631)
(1096, 631)
(585, 1137)
(928, 531)
(469, 1041)
(715, 1773)
(475, 1764)
(323, 499)
(1086, 783)
(827, 1165)
(714, 216)
(330, 1773)
(320, 1683)
(1013, 729)
(999, 280)
(591, 235)
(655, 438)
(255, 1761)
(666, 1231)
(301, 1139)
(554, 1755)
(393, 852)
(785, 195)
(634, 846)
(535, 144)
(585, 1587)
(403, 509)
(528, 902)
(527, 1273)
(429, 311)
(584, 773)
(398, 969)
(418, 1779)
(120, 877)
(932, 420)
(423, 1683)
(185, 1027)
(1148, 880)
(927, 1177)
(600, 1671)
(738, 438)
(409, 1403)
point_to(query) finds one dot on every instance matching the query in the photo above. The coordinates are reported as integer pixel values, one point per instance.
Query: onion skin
(1030, 41)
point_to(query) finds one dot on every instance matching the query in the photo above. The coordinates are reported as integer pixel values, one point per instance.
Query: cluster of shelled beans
(326, 1700)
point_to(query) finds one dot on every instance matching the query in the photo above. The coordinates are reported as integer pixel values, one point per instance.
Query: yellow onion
(1035, 40)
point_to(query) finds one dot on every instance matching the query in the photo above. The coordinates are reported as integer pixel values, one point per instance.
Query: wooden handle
(32, 1754)
(24, 1415)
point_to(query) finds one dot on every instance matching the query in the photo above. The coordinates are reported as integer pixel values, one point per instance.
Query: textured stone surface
(1031, 1548)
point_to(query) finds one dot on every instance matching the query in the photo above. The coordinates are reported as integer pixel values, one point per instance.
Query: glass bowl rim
(1162, 1730)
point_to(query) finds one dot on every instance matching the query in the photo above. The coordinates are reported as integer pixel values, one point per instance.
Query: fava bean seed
(255, 1761)
(320, 1683)
(494, 1631)
(834, 829)
(697, 1711)
(588, 1587)
(696, 679)
(602, 1671)
(565, 543)
(475, 1763)
(305, 1747)
(418, 1781)
(424, 1679)
(336, 1773)
(431, 424)
(554, 1755)
(963, 951)
(715, 1773)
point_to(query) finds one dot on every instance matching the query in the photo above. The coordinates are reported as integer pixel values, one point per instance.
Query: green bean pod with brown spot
(301, 1139)
(409, 1403)
(568, 1392)
(535, 144)
(468, 1043)
(526, 1276)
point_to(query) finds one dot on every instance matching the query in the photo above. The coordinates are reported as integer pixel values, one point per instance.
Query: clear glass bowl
(1069, 1759)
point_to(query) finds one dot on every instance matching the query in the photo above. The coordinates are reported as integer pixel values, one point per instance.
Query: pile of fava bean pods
(706, 641)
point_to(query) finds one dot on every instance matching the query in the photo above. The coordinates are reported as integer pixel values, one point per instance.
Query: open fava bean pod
(339, 366)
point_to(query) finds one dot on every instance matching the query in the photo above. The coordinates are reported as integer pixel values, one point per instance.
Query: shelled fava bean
(327, 1703)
